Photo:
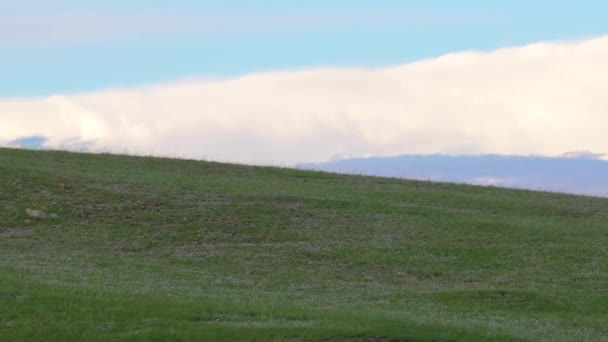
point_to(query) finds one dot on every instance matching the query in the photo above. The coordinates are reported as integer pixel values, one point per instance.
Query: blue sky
(131, 43)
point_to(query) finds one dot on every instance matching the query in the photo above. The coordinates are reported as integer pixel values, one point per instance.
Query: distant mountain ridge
(578, 173)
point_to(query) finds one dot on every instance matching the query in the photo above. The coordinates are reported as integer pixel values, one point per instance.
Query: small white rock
(39, 214)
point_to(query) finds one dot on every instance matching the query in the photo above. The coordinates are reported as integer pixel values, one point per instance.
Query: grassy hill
(160, 249)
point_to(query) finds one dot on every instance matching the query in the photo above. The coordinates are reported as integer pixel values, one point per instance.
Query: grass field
(160, 249)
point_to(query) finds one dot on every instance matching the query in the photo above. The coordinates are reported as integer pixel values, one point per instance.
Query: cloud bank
(540, 99)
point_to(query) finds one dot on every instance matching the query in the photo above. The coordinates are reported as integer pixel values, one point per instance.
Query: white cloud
(583, 155)
(542, 99)
(492, 181)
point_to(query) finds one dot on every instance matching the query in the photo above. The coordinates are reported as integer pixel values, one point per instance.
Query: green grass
(161, 249)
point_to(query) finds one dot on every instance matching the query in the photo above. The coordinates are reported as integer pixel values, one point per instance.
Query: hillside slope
(148, 248)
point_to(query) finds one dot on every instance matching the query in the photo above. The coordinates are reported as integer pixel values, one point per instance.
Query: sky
(66, 46)
(572, 173)
(287, 82)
